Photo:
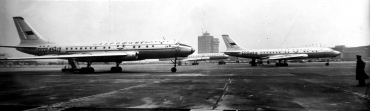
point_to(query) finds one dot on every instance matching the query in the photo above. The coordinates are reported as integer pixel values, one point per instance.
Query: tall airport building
(208, 44)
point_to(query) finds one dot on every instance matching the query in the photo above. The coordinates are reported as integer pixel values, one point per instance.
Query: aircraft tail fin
(27, 34)
(230, 43)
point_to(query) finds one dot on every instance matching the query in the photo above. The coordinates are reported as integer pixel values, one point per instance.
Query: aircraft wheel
(254, 64)
(285, 64)
(119, 69)
(64, 70)
(91, 70)
(173, 69)
(116, 69)
(277, 64)
(83, 70)
(327, 64)
(113, 69)
(87, 70)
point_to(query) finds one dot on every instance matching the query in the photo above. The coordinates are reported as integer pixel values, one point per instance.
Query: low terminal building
(349, 53)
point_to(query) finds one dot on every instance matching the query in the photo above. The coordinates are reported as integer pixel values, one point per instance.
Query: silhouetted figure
(360, 72)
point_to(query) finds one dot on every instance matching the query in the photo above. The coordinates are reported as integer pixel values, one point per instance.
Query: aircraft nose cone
(336, 52)
(192, 50)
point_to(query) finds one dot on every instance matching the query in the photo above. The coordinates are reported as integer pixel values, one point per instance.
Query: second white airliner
(233, 49)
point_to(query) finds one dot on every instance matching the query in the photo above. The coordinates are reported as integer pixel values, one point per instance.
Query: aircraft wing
(18, 46)
(288, 56)
(72, 56)
(196, 58)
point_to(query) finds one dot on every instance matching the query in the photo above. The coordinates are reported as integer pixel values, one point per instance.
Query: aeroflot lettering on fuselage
(49, 49)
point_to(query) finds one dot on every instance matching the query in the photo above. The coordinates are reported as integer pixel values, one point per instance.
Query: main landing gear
(87, 69)
(195, 63)
(173, 69)
(281, 64)
(221, 62)
(73, 66)
(117, 68)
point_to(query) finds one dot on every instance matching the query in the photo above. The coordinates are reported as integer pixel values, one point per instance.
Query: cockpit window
(184, 45)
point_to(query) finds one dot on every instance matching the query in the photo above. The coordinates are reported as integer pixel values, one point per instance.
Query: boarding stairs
(71, 66)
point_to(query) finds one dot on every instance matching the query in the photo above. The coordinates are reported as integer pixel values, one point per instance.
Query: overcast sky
(254, 24)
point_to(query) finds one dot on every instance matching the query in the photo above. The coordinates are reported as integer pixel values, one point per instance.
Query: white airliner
(32, 43)
(205, 56)
(233, 49)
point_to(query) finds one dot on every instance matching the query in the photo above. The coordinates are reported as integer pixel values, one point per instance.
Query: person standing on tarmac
(360, 72)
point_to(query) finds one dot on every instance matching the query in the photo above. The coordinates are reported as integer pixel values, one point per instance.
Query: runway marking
(224, 92)
(59, 106)
(42, 87)
(340, 89)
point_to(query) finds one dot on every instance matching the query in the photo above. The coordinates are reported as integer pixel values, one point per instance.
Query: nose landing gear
(173, 69)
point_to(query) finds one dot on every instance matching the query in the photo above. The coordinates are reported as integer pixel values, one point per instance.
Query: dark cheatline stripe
(232, 44)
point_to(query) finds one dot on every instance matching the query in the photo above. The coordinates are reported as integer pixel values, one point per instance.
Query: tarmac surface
(300, 86)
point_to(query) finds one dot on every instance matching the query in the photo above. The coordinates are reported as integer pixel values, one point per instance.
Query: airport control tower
(208, 44)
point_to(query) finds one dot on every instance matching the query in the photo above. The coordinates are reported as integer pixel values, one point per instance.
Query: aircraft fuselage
(139, 50)
(306, 52)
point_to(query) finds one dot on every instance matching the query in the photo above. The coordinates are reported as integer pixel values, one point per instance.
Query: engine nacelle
(130, 56)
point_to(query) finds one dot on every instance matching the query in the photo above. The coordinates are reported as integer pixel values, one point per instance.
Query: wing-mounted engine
(130, 56)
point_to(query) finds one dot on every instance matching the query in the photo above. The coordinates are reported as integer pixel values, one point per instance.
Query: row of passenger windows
(281, 52)
(76, 48)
